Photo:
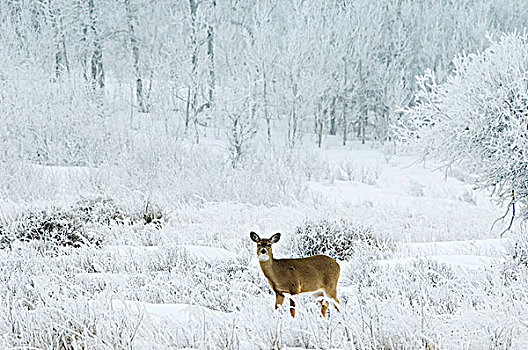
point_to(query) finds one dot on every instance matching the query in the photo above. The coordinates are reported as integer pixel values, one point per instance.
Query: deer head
(264, 249)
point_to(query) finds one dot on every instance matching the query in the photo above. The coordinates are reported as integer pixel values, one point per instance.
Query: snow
(201, 272)
(464, 261)
(482, 247)
(196, 251)
(183, 313)
(209, 253)
(216, 120)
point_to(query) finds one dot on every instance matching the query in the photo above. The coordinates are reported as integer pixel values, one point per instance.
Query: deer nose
(263, 251)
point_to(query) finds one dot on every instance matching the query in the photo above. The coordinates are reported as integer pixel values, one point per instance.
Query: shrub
(153, 214)
(72, 127)
(432, 286)
(340, 239)
(70, 226)
(519, 249)
(52, 227)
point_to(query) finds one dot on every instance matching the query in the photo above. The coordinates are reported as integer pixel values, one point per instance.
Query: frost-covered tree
(345, 65)
(479, 117)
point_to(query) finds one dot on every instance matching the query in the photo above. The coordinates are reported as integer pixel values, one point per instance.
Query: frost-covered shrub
(340, 239)
(187, 173)
(478, 117)
(153, 214)
(171, 274)
(56, 321)
(217, 292)
(416, 293)
(431, 286)
(420, 283)
(56, 123)
(51, 227)
(520, 253)
(519, 250)
(72, 226)
(107, 212)
(349, 170)
(98, 210)
(223, 285)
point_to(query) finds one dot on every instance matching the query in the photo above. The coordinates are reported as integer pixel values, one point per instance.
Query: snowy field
(142, 141)
(188, 277)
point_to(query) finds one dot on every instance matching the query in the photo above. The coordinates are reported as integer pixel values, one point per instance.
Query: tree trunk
(319, 125)
(383, 135)
(292, 121)
(140, 94)
(193, 88)
(362, 106)
(84, 58)
(319, 133)
(61, 57)
(266, 111)
(63, 41)
(98, 75)
(333, 130)
(210, 54)
(187, 109)
(361, 121)
(344, 120)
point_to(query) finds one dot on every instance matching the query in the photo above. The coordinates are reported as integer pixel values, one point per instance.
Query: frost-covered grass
(437, 279)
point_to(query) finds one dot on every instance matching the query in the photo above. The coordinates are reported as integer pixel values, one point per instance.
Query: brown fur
(294, 276)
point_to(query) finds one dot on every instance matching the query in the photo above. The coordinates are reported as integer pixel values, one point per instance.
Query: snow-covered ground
(447, 281)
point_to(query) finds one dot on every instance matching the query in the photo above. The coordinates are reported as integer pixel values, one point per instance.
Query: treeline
(331, 67)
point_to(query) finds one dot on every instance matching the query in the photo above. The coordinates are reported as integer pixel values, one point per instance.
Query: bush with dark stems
(70, 226)
(340, 239)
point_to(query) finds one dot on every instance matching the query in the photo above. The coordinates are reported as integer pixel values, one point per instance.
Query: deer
(317, 273)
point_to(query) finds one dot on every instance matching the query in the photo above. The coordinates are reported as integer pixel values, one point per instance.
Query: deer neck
(267, 266)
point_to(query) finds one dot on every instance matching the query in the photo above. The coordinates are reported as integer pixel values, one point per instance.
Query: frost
(478, 118)
(141, 141)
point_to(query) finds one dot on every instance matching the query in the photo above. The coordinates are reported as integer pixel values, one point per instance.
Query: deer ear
(275, 238)
(254, 236)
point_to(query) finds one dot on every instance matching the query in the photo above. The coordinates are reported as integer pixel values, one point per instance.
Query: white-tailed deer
(318, 273)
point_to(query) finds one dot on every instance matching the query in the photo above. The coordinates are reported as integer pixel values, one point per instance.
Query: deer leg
(333, 295)
(292, 307)
(324, 307)
(279, 298)
(322, 302)
(335, 304)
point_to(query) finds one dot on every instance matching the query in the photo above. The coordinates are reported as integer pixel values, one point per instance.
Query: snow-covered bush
(397, 303)
(185, 173)
(56, 123)
(340, 239)
(519, 249)
(348, 170)
(51, 228)
(73, 225)
(479, 117)
(43, 309)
